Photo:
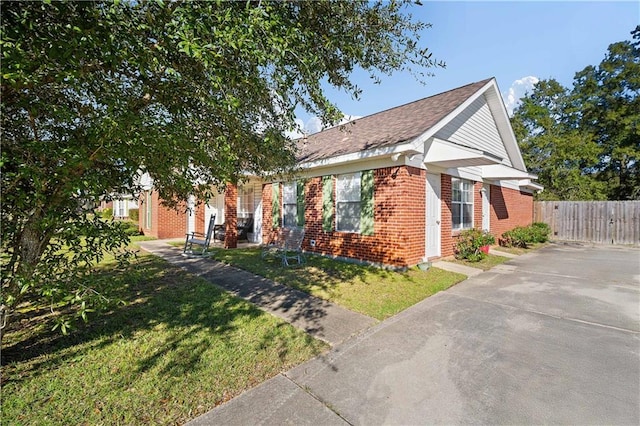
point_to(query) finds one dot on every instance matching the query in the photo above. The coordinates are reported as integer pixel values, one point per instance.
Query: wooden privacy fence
(606, 222)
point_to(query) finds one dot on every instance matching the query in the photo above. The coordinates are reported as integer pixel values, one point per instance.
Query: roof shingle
(390, 127)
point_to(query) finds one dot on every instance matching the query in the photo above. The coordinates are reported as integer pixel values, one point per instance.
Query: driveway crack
(516, 308)
(307, 390)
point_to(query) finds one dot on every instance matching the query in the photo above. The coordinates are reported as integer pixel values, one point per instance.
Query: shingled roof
(390, 127)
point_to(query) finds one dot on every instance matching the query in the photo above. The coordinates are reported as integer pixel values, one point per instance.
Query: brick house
(394, 188)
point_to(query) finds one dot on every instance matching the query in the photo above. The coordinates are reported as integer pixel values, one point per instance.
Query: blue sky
(516, 42)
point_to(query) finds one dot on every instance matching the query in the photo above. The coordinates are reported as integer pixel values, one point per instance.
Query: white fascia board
(502, 172)
(526, 183)
(511, 184)
(470, 173)
(387, 151)
(501, 117)
(447, 154)
(356, 166)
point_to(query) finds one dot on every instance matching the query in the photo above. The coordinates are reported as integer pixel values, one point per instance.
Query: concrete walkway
(321, 319)
(456, 267)
(552, 337)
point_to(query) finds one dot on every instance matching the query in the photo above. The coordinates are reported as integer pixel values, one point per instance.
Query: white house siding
(246, 205)
(121, 206)
(475, 128)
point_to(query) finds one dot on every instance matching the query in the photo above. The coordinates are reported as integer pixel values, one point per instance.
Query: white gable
(475, 127)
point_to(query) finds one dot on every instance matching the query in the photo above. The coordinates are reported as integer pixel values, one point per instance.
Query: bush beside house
(522, 236)
(471, 243)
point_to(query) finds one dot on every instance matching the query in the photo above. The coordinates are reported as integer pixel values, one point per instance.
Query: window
(289, 205)
(121, 208)
(348, 202)
(461, 204)
(245, 201)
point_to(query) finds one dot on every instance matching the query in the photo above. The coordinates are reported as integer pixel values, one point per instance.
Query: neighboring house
(121, 204)
(394, 188)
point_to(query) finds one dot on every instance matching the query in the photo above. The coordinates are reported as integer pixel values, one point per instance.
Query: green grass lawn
(369, 290)
(485, 264)
(175, 349)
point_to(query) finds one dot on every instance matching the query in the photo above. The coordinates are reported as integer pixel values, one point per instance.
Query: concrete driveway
(549, 337)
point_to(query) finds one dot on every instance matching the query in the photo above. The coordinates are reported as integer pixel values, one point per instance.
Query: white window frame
(246, 201)
(290, 205)
(464, 198)
(348, 192)
(121, 209)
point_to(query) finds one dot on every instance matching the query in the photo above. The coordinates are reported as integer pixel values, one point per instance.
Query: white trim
(509, 184)
(356, 179)
(433, 192)
(291, 187)
(356, 166)
(527, 184)
(448, 154)
(463, 203)
(405, 148)
(470, 173)
(501, 117)
(485, 196)
(502, 172)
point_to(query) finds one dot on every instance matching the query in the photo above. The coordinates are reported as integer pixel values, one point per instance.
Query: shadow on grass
(154, 295)
(372, 291)
(318, 271)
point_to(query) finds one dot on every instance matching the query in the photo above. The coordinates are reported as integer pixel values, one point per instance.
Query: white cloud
(315, 125)
(298, 131)
(517, 90)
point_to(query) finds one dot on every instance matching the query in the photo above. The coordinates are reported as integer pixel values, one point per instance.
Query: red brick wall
(477, 205)
(399, 220)
(165, 222)
(449, 236)
(231, 216)
(509, 208)
(201, 221)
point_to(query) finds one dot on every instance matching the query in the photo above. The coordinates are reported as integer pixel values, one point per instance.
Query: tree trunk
(32, 243)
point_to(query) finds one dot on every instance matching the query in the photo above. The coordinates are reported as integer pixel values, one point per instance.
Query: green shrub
(107, 213)
(469, 243)
(541, 232)
(134, 215)
(130, 228)
(521, 236)
(517, 237)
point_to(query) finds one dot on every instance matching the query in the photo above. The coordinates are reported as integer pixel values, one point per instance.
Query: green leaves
(194, 93)
(584, 142)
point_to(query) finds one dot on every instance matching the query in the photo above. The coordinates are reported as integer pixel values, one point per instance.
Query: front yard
(372, 291)
(177, 348)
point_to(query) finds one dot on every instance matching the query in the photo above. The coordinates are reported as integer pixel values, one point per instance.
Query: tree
(95, 93)
(584, 143)
(555, 149)
(610, 96)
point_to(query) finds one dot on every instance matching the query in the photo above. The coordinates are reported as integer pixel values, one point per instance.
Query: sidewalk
(282, 399)
(321, 319)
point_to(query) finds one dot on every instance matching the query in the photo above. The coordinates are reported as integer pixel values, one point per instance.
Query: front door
(432, 242)
(486, 207)
(215, 206)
